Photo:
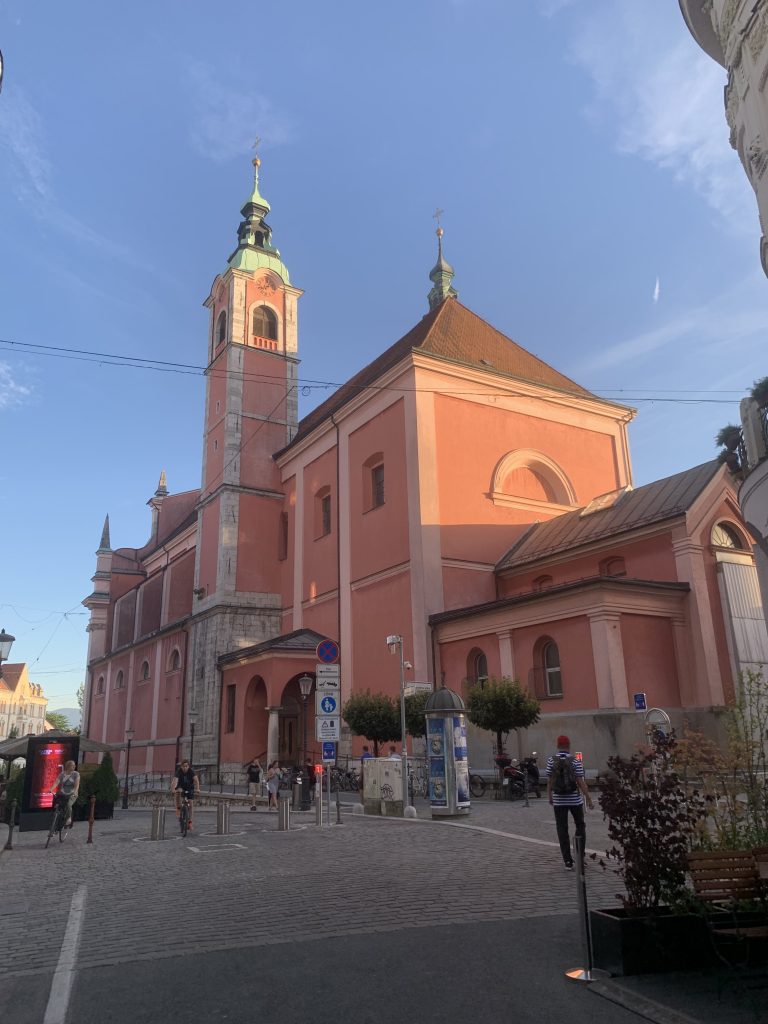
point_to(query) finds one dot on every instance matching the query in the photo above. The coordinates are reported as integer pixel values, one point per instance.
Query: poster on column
(436, 749)
(460, 760)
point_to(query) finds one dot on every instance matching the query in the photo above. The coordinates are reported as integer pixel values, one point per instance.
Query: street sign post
(327, 677)
(329, 752)
(328, 651)
(411, 689)
(327, 730)
(641, 704)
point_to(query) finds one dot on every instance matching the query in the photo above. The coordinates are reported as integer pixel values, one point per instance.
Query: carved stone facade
(735, 34)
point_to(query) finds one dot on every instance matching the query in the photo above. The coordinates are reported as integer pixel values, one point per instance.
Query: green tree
(80, 696)
(500, 706)
(57, 720)
(373, 715)
(103, 783)
(415, 722)
(14, 733)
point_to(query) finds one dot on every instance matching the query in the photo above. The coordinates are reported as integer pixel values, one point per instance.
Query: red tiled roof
(453, 333)
(12, 674)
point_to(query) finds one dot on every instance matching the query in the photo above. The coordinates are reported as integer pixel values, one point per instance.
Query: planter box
(101, 812)
(625, 943)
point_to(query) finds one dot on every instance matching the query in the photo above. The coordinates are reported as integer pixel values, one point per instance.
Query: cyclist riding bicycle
(186, 782)
(68, 785)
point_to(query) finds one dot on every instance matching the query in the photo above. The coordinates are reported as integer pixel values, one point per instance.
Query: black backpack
(563, 776)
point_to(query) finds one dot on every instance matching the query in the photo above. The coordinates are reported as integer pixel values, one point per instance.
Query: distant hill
(72, 715)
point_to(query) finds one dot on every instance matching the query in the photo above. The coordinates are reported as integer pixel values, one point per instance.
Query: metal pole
(127, 764)
(328, 774)
(11, 823)
(582, 973)
(91, 816)
(404, 749)
(191, 744)
(306, 803)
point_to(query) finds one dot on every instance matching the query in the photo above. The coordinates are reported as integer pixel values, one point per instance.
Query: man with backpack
(567, 790)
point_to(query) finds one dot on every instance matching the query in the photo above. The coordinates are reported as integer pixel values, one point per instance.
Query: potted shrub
(13, 791)
(97, 780)
(760, 392)
(652, 821)
(728, 437)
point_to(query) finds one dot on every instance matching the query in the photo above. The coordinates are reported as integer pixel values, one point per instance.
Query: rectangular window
(326, 514)
(231, 708)
(377, 486)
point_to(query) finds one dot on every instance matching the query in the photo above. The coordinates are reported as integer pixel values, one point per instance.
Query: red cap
(563, 741)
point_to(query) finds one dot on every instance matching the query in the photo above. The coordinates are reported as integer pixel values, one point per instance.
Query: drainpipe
(220, 684)
(183, 694)
(338, 540)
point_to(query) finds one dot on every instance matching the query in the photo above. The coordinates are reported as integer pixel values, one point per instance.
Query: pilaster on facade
(708, 682)
(608, 652)
(506, 653)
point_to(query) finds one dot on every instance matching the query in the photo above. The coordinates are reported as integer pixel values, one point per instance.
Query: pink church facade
(459, 492)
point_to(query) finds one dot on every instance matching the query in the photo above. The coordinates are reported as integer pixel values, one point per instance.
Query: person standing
(567, 791)
(309, 768)
(253, 777)
(273, 784)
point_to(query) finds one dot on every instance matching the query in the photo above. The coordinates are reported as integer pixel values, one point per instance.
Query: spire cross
(437, 215)
(256, 142)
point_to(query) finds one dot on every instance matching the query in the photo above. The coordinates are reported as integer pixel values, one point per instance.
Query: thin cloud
(12, 394)
(227, 120)
(656, 291)
(664, 104)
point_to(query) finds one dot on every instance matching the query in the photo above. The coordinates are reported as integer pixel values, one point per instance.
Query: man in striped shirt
(567, 790)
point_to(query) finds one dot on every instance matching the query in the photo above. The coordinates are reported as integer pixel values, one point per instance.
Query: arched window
(119, 681)
(724, 536)
(265, 323)
(373, 482)
(144, 674)
(221, 328)
(542, 582)
(546, 676)
(477, 668)
(174, 664)
(100, 687)
(613, 566)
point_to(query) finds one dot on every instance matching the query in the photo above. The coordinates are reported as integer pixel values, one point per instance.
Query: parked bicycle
(59, 820)
(185, 812)
(477, 786)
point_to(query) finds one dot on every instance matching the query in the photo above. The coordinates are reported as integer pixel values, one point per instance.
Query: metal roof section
(630, 509)
(300, 641)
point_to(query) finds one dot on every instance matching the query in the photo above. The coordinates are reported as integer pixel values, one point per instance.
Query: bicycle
(477, 786)
(59, 821)
(185, 813)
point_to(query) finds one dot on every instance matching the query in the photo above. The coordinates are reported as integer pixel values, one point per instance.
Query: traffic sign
(329, 751)
(327, 651)
(640, 702)
(327, 729)
(410, 689)
(326, 703)
(328, 677)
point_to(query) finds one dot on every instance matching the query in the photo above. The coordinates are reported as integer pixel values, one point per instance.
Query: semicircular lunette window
(724, 536)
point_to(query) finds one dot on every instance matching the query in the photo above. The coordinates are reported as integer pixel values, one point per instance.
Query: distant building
(735, 34)
(22, 703)
(459, 492)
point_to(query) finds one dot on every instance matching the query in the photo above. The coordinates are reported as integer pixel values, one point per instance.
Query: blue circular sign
(328, 704)
(328, 651)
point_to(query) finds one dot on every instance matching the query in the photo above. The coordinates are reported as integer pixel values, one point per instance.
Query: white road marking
(64, 975)
(213, 849)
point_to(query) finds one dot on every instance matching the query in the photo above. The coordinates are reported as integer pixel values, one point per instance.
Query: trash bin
(158, 822)
(284, 815)
(222, 818)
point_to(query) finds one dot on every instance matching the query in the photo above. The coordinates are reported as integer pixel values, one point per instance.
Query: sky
(593, 211)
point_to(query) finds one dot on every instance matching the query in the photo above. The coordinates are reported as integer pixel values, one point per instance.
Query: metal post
(319, 807)
(191, 742)
(158, 821)
(338, 801)
(222, 817)
(582, 973)
(91, 818)
(283, 815)
(404, 748)
(11, 823)
(127, 764)
(328, 775)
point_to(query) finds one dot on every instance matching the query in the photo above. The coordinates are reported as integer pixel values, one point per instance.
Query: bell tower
(251, 412)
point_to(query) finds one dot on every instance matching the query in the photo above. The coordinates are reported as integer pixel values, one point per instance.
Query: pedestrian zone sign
(326, 703)
(641, 704)
(329, 751)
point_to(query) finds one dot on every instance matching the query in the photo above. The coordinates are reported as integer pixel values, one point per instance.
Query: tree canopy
(57, 720)
(373, 715)
(501, 705)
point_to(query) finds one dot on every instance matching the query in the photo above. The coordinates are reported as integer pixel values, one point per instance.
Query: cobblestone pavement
(258, 887)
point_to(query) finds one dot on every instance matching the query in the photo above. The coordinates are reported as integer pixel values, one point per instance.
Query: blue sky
(578, 149)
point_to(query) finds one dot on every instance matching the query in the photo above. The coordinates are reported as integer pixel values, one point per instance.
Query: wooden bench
(723, 880)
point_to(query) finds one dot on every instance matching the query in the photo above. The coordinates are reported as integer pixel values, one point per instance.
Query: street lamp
(192, 718)
(129, 737)
(6, 642)
(305, 685)
(395, 643)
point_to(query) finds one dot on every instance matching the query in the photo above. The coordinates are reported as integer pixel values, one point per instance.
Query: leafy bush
(373, 715)
(653, 822)
(501, 705)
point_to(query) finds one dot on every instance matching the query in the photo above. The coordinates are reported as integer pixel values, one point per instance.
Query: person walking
(253, 775)
(273, 784)
(567, 791)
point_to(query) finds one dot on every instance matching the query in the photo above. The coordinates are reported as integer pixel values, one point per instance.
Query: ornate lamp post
(6, 642)
(305, 685)
(192, 718)
(129, 737)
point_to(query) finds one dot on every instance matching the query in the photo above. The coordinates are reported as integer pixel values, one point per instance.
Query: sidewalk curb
(646, 1008)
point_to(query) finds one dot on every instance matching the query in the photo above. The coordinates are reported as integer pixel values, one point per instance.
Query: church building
(458, 492)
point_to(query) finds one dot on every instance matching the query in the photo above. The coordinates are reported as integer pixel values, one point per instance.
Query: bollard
(91, 818)
(585, 973)
(338, 809)
(296, 796)
(158, 822)
(11, 823)
(319, 809)
(222, 818)
(284, 815)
